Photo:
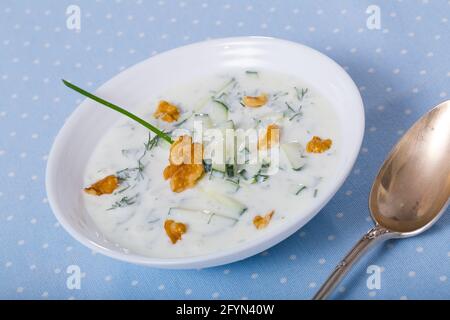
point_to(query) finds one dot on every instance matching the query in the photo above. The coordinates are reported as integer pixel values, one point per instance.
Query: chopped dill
(289, 107)
(301, 93)
(295, 116)
(301, 188)
(151, 142)
(124, 202)
(252, 73)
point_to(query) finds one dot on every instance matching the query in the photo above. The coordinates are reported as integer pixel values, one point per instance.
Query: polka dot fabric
(402, 70)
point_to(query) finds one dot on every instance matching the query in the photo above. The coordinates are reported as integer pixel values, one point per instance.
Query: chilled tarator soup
(187, 198)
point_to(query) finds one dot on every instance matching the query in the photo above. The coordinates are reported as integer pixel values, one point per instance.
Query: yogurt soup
(280, 147)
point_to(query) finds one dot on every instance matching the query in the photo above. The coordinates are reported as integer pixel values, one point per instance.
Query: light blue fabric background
(402, 70)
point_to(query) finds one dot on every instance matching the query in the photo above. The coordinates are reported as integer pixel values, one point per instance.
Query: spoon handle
(373, 236)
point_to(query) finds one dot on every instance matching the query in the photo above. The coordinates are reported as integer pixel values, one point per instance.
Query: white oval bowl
(83, 129)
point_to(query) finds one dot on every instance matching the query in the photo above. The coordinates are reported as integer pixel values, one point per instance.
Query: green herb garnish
(301, 93)
(252, 73)
(119, 109)
(124, 202)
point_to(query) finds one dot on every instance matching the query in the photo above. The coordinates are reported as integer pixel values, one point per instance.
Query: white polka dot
(411, 274)
(341, 289)
(188, 292)
(226, 271)
(372, 293)
(215, 295)
(134, 283)
(443, 278)
(283, 280)
(19, 289)
(161, 287)
(44, 294)
(403, 298)
(292, 257)
(8, 264)
(331, 237)
(339, 215)
(108, 278)
(419, 249)
(322, 261)
(312, 285)
(254, 276)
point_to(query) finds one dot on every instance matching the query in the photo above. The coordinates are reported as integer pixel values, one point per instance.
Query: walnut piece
(184, 151)
(185, 164)
(167, 112)
(104, 186)
(270, 138)
(255, 102)
(317, 145)
(174, 230)
(186, 176)
(262, 222)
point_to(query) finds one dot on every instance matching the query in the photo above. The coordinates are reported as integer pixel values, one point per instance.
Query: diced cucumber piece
(230, 170)
(218, 167)
(204, 118)
(229, 124)
(207, 165)
(201, 221)
(272, 116)
(249, 171)
(224, 185)
(293, 152)
(219, 112)
(231, 207)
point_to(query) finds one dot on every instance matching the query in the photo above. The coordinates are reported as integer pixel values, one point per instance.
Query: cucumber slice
(204, 118)
(201, 221)
(231, 207)
(229, 124)
(293, 152)
(218, 167)
(219, 112)
(230, 170)
(223, 185)
(250, 171)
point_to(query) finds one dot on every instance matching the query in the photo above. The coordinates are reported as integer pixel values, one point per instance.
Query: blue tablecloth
(402, 70)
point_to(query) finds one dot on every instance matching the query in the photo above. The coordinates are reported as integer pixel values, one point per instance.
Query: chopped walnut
(317, 145)
(270, 138)
(104, 186)
(174, 230)
(185, 167)
(167, 112)
(184, 151)
(186, 176)
(262, 222)
(255, 102)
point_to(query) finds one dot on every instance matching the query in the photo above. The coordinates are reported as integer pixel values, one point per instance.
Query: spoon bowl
(413, 186)
(411, 190)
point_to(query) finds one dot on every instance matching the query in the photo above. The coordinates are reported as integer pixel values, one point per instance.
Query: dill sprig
(119, 109)
(124, 202)
(301, 93)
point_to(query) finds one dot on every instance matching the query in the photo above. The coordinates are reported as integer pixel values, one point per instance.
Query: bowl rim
(229, 255)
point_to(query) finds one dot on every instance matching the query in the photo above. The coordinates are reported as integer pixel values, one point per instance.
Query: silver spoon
(411, 191)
